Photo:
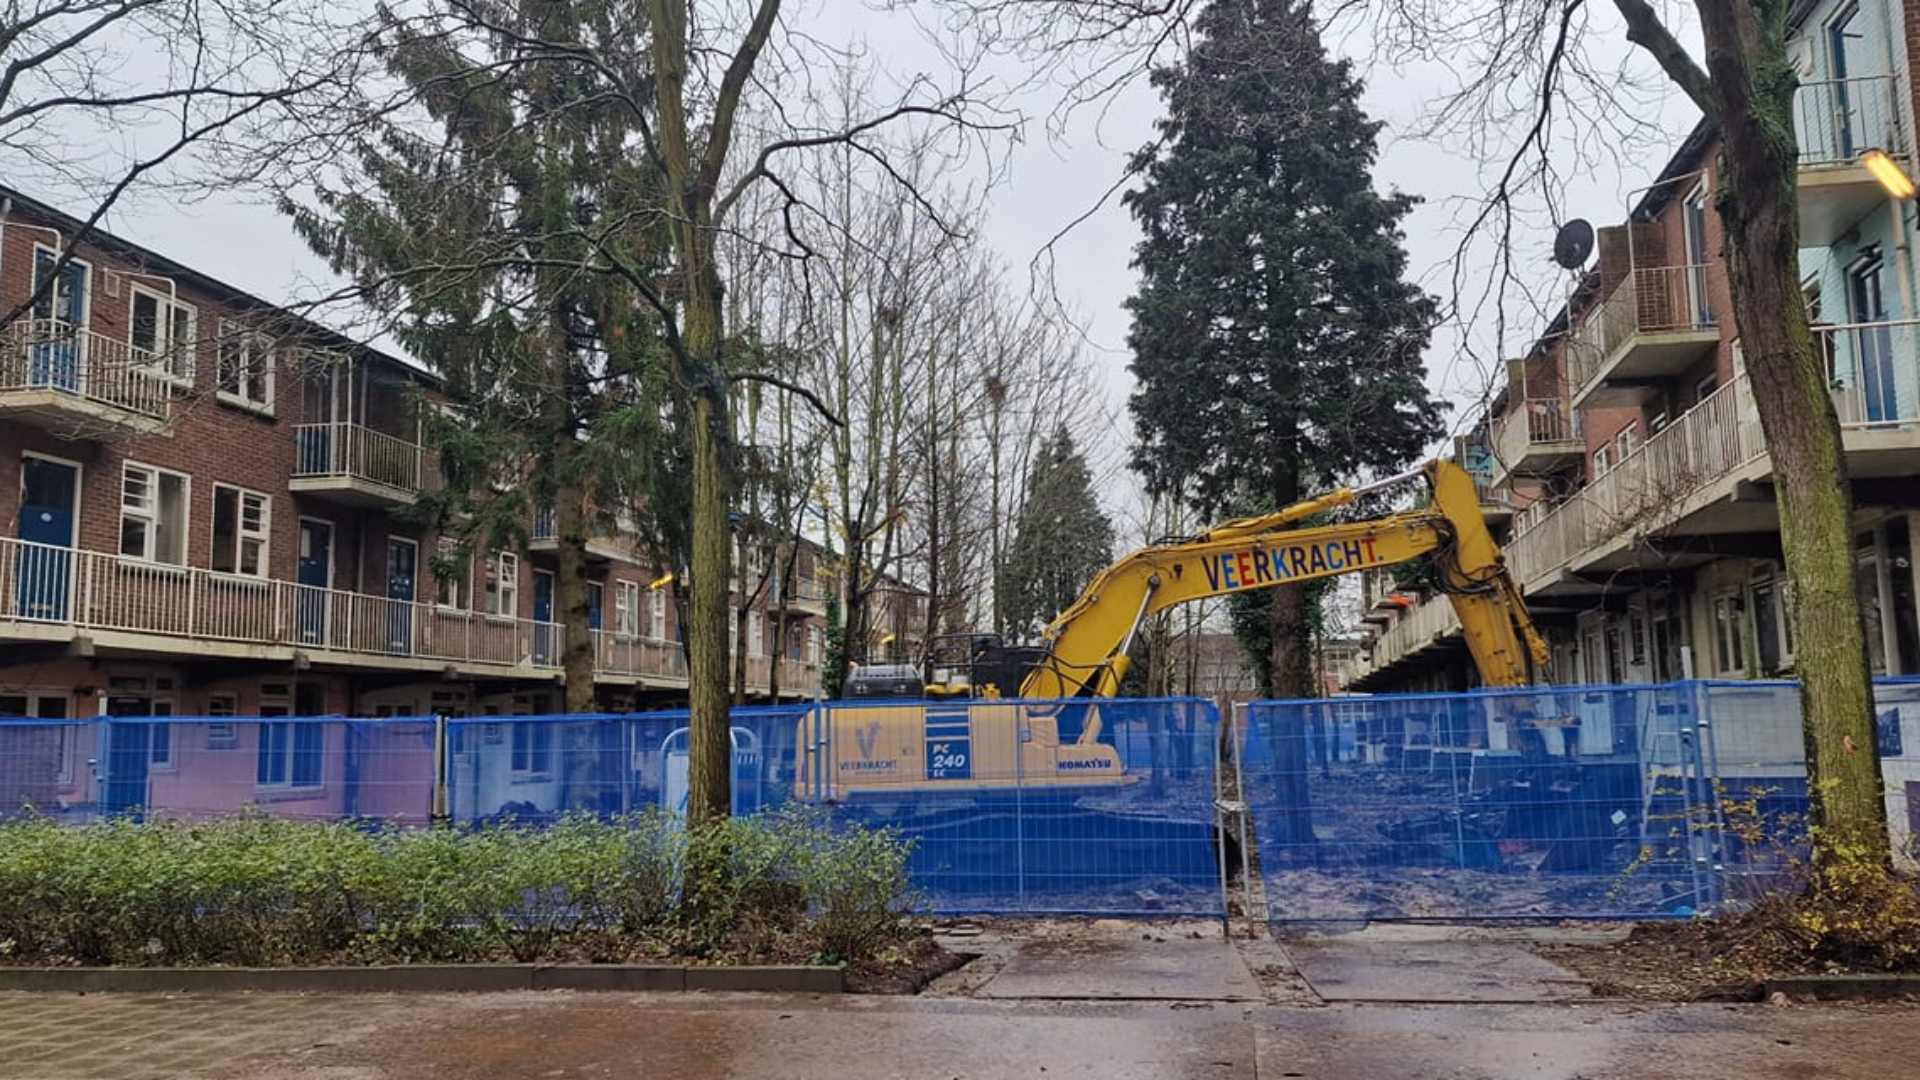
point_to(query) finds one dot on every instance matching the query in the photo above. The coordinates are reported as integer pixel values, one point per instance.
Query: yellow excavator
(960, 742)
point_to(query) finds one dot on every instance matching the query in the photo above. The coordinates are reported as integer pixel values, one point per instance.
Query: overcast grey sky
(1050, 184)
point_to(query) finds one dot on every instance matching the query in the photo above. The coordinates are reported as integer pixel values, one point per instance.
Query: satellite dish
(1573, 243)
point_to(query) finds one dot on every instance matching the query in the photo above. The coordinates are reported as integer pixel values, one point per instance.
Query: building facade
(1633, 491)
(205, 503)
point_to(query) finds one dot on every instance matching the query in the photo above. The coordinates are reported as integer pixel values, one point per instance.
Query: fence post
(438, 815)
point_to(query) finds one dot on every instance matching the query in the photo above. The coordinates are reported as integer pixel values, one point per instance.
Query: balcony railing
(1649, 300)
(1432, 619)
(1836, 119)
(54, 355)
(47, 585)
(1538, 427)
(1873, 372)
(346, 451)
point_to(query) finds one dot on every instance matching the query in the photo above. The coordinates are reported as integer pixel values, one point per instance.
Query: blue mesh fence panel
(1490, 804)
(1897, 723)
(48, 767)
(1010, 811)
(314, 768)
(533, 768)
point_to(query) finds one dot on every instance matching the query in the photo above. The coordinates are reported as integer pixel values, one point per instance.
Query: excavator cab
(978, 665)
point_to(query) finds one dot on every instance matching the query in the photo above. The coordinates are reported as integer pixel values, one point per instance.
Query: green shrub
(258, 890)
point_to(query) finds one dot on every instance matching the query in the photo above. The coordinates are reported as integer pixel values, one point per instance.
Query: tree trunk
(1754, 87)
(576, 657)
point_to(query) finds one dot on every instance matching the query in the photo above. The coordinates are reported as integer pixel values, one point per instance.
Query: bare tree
(1537, 70)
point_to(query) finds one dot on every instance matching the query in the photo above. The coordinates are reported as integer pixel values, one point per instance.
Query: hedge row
(257, 890)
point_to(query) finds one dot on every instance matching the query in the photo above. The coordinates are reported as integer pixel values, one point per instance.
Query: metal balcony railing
(1837, 119)
(356, 452)
(51, 354)
(48, 585)
(1873, 373)
(1535, 422)
(1648, 300)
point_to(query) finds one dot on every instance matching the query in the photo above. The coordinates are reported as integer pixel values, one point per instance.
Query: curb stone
(1844, 987)
(427, 978)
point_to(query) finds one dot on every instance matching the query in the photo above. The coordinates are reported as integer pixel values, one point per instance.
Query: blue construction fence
(1071, 807)
(1564, 802)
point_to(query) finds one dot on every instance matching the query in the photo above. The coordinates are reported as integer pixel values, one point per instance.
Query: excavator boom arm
(1088, 642)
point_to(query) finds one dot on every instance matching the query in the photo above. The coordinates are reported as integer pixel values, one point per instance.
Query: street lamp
(1893, 179)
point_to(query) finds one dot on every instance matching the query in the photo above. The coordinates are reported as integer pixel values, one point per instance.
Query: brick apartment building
(204, 502)
(1626, 473)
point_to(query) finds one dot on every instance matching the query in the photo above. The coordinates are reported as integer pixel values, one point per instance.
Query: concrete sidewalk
(1111, 1000)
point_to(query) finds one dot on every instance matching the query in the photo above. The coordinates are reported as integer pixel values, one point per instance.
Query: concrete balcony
(808, 600)
(1708, 473)
(1654, 325)
(79, 384)
(1424, 626)
(357, 465)
(544, 540)
(1538, 437)
(1836, 120)
(96, 604)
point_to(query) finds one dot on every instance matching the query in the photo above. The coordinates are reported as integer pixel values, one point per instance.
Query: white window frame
(503, 585)
(175, 333)
(1602, 461)
(1623, 444)
(756, 635)
(149, 512)
(258, 351)
(287, 755)
(657, 614)
(260, 535)
(63, 725)
(626, 609)
(1729, 614)
(530, 757)
(449, 590)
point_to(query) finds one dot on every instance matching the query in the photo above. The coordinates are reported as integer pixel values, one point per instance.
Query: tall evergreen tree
(1276, 342)
(1061, 539)
(503, 240)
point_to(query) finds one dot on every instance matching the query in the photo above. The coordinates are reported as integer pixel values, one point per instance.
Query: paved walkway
(1249, 1017)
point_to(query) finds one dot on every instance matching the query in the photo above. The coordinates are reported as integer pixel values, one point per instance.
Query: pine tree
(503, 240)
(1061, 539)
(1276, 341)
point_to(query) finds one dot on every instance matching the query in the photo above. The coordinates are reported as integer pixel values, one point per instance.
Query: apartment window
(657, 614)
(626, 608)
(1729, 632)
(532, 749)
(503, 584)
(450, 574)
(240, 519)
(153, 514)
(756, 635)
(44, 706)
(246, 368)
(1705, 388)
(1772, 646)
(162, 333)
(813, 644)
(1602, 462)
(223, 735)
(291, 755)
(1622, 445)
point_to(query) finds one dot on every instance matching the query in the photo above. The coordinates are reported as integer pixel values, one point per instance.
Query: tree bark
(1753, 88)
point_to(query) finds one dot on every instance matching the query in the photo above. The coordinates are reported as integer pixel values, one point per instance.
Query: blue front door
(132, 749)
(58, 318)
(403, 557)
(50, 492)
(546, 636)
(316, 577)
